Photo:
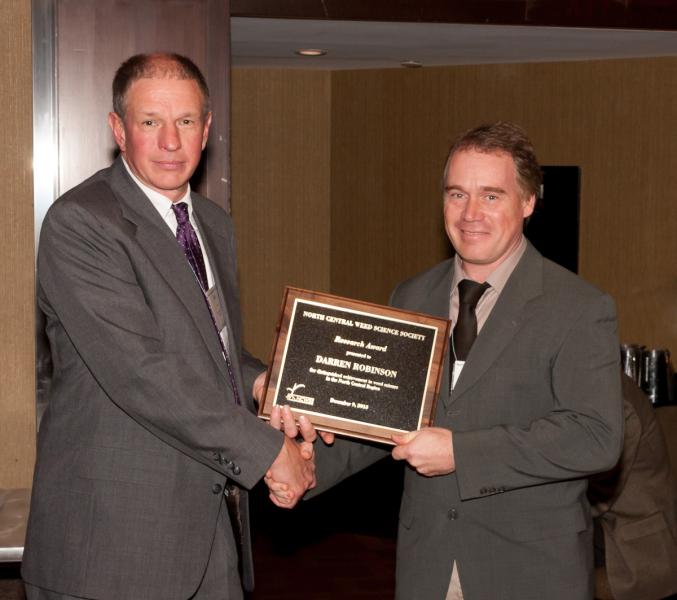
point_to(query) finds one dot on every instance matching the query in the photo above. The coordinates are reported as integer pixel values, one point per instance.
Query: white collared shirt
(164, 207)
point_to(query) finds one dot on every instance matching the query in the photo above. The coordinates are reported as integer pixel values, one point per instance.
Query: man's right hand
(284, 420)
(292, 473)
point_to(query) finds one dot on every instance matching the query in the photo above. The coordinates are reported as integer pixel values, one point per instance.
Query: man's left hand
(430, 450)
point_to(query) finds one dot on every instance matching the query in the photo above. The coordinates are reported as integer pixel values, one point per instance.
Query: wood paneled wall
(280, 127)
(17, 307)
(389, 133)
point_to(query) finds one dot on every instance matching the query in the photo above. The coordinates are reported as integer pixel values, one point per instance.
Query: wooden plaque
(355, 368)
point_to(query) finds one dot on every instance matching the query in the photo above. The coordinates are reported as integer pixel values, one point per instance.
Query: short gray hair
(159, 65)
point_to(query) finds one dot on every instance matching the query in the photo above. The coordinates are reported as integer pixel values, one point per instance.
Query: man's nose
(170, 138)
(472, 209)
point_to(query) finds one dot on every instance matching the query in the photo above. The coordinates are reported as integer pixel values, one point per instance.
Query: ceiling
(271, 43)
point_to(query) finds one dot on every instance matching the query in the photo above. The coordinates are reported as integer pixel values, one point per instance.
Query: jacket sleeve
(340, 460)
(582, 433)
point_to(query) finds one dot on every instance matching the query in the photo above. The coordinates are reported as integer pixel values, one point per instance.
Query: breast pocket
(517, 395)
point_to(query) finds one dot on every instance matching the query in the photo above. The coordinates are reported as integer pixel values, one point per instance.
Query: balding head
(156, 66)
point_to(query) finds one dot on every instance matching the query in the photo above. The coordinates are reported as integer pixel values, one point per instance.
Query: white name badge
(458, 367)
(217, 313)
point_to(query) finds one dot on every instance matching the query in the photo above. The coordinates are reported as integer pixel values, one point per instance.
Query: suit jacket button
(236, 470)
(452, 514)
(217, 488)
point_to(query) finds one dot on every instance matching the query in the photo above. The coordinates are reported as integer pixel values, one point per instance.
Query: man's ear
(529, 205)
(205, 131)
(117, 126)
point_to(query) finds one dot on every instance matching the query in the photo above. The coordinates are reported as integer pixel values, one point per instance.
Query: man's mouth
(472, 233)
(169, 165)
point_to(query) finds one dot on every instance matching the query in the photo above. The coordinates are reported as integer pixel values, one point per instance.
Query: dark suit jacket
(636, 508)
(536, 409)
(128, 481)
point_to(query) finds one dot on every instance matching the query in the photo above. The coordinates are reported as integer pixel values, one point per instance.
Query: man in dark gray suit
(494, 504)
(149, 442)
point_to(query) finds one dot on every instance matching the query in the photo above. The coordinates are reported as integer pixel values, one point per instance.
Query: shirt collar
(500, 275)
(161, 203)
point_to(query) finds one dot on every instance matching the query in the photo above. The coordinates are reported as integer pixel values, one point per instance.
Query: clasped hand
(282, 492)
(295, 472)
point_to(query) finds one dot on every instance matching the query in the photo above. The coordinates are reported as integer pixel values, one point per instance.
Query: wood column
(17, 313)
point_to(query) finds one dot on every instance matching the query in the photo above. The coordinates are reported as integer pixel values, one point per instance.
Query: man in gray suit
(149, 442)
(494, 504)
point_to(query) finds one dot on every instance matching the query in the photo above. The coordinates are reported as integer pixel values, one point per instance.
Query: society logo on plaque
(292, 396)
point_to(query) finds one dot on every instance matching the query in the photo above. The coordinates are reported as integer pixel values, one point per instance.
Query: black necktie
(465, 330)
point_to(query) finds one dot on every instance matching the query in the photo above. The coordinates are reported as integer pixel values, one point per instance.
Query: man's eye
(148, 123)
(186, 122)
(492, 197)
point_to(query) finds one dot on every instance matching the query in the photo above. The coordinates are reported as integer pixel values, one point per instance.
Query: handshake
(429, 451)
(293, 471)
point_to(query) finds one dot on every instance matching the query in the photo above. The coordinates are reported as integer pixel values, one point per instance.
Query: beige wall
(280, 126)
(17, 312)
(387, 137)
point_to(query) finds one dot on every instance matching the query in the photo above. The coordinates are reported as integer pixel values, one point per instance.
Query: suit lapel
(215, 243)
(218, 246)
(153, 235)
(436, 303)
(438, 293)
(505, 320)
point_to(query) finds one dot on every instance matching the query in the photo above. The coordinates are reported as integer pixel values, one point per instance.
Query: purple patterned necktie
(187, 239)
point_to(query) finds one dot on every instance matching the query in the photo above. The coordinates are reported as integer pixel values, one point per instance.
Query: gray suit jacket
(536, 409)
(141, 428)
